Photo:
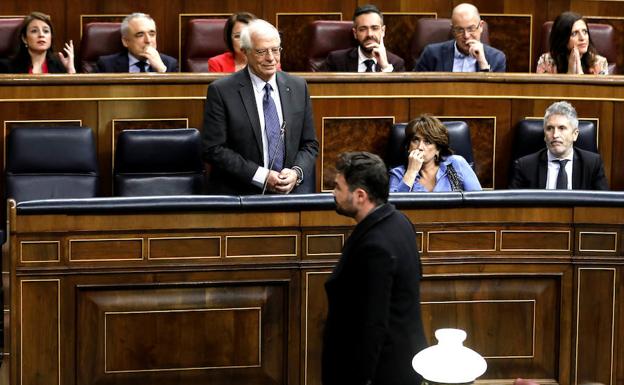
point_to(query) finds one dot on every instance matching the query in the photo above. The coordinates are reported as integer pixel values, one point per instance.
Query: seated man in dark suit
(560, 165)
(138, 35)
(464, 53)
(370, 55)
(259, 130)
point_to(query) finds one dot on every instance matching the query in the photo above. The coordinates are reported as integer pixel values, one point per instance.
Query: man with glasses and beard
(370, 55)
(464, 53)
(374, 326)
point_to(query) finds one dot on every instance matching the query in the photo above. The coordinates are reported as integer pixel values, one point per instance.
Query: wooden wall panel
(595, 330)
(206, 331)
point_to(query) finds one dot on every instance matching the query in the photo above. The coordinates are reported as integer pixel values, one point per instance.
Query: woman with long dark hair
(35, 50)
(234, 59)
(571, 49)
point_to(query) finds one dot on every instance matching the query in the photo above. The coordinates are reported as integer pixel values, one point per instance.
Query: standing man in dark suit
(259, 131)
(138, 35)
(370, 55)
(374, 326)
(560, 165)
(464, 53)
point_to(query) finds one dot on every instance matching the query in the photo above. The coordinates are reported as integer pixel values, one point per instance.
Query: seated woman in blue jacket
(429, 161)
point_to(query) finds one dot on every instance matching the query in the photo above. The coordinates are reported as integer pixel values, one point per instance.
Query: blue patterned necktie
(273, 131)
(562, 176)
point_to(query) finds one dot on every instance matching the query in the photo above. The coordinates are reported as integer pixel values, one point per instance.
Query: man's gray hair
(258, 27)
(562, 108)
(129, 18)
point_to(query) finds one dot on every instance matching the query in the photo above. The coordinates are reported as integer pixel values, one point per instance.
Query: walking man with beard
(370, 55)
(374, 326)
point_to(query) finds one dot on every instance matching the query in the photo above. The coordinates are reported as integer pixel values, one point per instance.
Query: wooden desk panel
(353, 105)
(515, 278)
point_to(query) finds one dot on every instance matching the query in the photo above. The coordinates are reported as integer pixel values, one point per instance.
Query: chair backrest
(51, 162)
(9, 29)
(158, 162)
(325, 36)
(204, 39)
(99, 39)
(459, 141)
(602, 35)
(429, 31)
(529, 137)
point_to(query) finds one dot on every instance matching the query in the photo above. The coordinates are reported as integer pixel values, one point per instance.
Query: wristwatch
(299, 173)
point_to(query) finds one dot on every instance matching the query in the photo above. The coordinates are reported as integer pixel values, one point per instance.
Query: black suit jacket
(374, 326)
(531, 171)
(232, 138)
(118, 62)
(346, 60)
(54, 66)
(439, 57)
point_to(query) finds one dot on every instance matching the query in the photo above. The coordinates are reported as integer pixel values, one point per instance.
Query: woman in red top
(35, 53)
(234, 59)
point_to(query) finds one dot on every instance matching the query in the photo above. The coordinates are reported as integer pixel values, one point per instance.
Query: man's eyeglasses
(276, 51)
(470, 29)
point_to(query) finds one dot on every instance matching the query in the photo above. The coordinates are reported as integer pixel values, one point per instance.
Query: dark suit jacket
(118, 62)
(346, 60)
(439, 57)
(374, 326)
(232, 139)
(531, 171)
(54, 66)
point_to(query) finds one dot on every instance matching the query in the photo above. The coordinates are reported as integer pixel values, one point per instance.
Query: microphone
(282, 133)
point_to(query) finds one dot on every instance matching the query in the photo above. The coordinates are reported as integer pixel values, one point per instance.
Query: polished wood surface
(352, 111)
(515, 26)
(226, 297)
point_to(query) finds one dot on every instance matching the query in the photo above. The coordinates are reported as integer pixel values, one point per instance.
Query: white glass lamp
(449, 362)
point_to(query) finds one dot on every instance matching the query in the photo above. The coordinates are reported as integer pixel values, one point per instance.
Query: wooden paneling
(595, 329)
(260, 319)
(39, 338)
(102, 250)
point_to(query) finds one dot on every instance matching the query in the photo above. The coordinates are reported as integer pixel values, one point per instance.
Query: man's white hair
(261, 28)
(130, 17)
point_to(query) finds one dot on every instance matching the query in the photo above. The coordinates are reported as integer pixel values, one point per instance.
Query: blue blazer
(118, 62)
(439, 57)
(466, 175)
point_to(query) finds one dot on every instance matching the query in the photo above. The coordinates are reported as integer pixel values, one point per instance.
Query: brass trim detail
(58, 325)
(461, 232)
(536, 231)
(576, 332)
(295, 236)
(599, 232)
(336, 118)
(105, 240)
(308, 236)
(58, 251)
(530, 301)
(149, 245)
(259, 310)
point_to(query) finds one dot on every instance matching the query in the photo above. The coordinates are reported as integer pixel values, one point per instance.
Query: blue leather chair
(459, 141)
(158, 162)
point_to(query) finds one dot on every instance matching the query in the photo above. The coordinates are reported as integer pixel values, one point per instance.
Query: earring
(26, 45)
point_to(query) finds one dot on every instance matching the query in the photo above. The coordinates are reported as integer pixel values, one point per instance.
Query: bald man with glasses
(465, 52)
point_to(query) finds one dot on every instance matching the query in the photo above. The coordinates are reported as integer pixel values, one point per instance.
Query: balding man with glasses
(259, 133)
(464, 53)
